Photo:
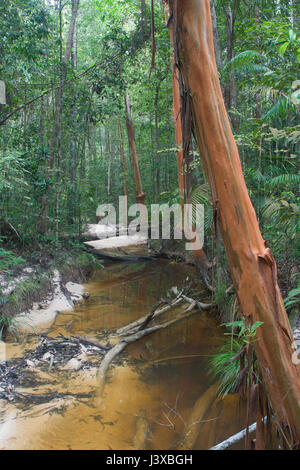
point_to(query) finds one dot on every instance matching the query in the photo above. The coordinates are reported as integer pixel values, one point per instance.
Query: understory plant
(235, 361)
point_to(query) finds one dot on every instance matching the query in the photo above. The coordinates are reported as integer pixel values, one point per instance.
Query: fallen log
(119, 258)
(198, 304)
(235, 438)
(137, 323)
(121, 345)
(117, 349)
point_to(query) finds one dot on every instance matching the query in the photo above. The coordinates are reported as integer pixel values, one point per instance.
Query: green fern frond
(280, 109)
(242, 59)
(201, 195)
(286, 180)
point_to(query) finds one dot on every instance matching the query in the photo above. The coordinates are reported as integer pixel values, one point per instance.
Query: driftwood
(136, 325)
(84, 340)
(196, 303)
(110, 355)
(121, 345)
(235, 438)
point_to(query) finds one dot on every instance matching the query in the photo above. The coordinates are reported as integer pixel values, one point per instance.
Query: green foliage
(8, 323)
(223, 368)
(231, 361)
(9, 260)
(114, 53)
(245, 334)
(293, 298)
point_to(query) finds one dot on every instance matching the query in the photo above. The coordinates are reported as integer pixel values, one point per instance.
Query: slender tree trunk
(230, 88)
(108, 153)
(140, 195)
(217, 46)
(124, 166)
(59, 98)
(251, 263)
(73, 144)
(157, 172)
(143, 18)
(258, 95)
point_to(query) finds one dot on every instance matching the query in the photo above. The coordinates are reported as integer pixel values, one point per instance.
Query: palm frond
(285, 180)
(242, 59)
(280, 109)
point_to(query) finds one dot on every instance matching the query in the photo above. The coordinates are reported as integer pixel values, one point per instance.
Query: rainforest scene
(149, 226)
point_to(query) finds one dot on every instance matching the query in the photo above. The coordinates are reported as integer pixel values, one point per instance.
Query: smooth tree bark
(140, 195)
(217, 46)
(230, 88)
(252, 266)
(199, 255)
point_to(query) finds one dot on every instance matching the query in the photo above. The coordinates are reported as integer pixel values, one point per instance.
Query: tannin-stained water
(151, 388)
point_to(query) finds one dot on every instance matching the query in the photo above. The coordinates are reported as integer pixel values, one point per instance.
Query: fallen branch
(84, 340)
(137, 323)
(198, 304)
(117, 349)
(235, 438)
(121, 345)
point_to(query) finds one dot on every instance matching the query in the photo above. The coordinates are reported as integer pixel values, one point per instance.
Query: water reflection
(151, 389)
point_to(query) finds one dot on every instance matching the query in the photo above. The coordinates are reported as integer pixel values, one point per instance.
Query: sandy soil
(43, 315)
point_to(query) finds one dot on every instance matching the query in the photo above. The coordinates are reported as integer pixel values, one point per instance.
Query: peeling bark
(201, 262)
(251, 263)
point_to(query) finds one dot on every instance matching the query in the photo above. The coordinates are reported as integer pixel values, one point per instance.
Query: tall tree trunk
(251, 263)
(59, 98)
(73, 144)
(140, 195)
(157, 172)
(258, 108)
(108, 154)
(218, 53)
(143, 18)
(230, 88)
(200, 258)
(124, 166)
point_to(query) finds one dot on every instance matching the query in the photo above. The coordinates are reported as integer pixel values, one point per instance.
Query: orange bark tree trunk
(251, 263)
(200, 258)
(140, 195)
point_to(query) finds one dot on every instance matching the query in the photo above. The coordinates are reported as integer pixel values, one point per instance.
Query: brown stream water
(151, 388)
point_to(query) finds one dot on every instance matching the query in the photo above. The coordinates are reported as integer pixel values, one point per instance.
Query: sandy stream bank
(43, 314)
